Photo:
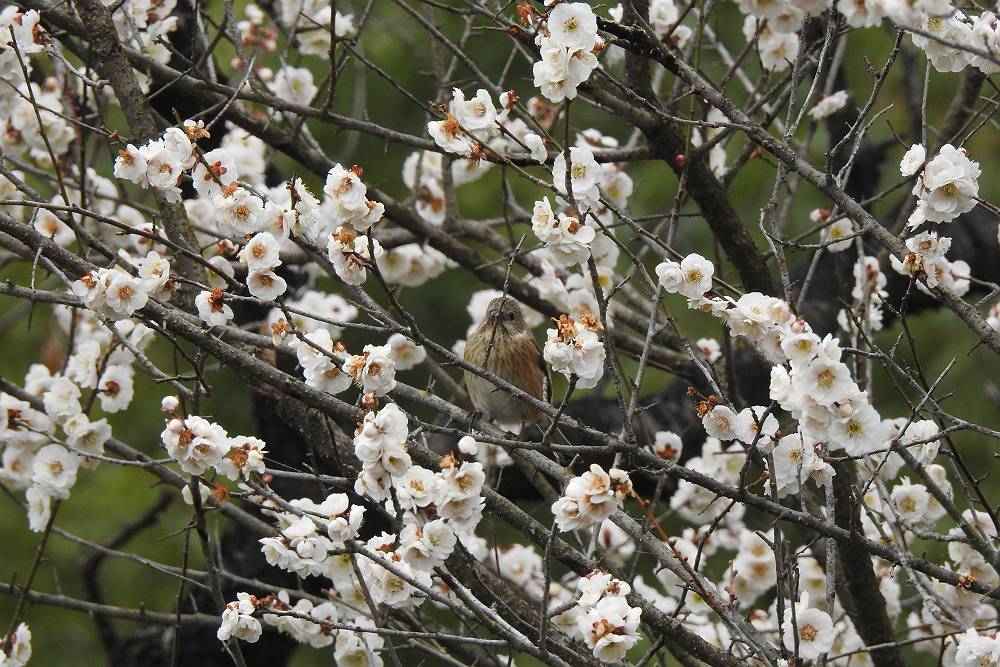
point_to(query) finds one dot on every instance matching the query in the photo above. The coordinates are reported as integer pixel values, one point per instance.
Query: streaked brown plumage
(503, 345)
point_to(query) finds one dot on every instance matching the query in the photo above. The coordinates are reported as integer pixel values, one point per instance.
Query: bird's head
(504, 314)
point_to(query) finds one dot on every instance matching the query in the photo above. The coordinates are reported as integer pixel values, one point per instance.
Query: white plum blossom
(583, 177)
(946, 188)
(829, 105)
(404, 352)
(913, 160)
(591, 498)
(692, 277)
(196, 443)
(294, 84)
(576, 351)
(212, 309)
(238, 620)
(351, 254)
(54, 470)
(374, 369)
(814, 628)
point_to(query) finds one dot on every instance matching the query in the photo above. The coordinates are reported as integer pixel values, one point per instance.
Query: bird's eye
(510, 316)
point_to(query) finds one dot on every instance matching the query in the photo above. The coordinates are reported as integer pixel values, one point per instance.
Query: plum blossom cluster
(335, 622)
(311, 537)
(199, 445)
(946, 186)
(44, 445)
(925, 258)
(35, 122)
(16, 651)
(951, 39)
(813, 385)
(591, 498)
(469, 124)
(565, 237)
(397, 570)
(604, 619)
(576, 351)
(569, 45)
(117, 293)
(315, 24)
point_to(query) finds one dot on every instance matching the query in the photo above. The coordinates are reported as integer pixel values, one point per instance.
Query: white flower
(814, 629)
(477, 115)
(561, 70)
(671, 278)
(326, 376)
(239, 212)
(344, 521)
(261, 253)
(162, 169)
(211, 308)
(668, 445)
(859, 432)
(468, 445)
(947, 187)
(827, 382)
(374, 370)
(237, 620)
(425, 547)
(829, 105)
(126, 294)
(220, 173)
(911, 501)
(62, 400)
(837, 235)
(976, 650)
(131, 165)
(54, 470)
(584, 174)
(19, 652)
(590, 498)
(404, 352)
(294, 84)
(39, 508)
(778, 50)
(610, 627)
(722, 423)
(380, 443)
(115, 388)
(696, 272)
(416, 488)
(710, 348)
(266, 285)
(348, 195)
(573, 350)
(195, 443)
(350, 254)
(573, 25)
(536, 145)
(246, 455)
(85, 436)
(449, 135)
(913, 160)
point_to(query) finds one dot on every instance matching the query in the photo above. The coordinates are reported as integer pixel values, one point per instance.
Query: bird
(503, 346)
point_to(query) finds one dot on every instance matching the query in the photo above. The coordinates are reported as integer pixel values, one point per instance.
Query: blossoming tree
(183, 200)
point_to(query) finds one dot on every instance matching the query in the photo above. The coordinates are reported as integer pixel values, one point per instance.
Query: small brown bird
(503, 345)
